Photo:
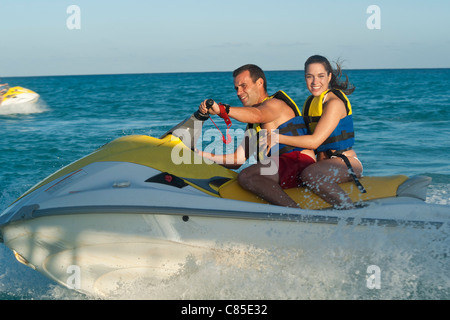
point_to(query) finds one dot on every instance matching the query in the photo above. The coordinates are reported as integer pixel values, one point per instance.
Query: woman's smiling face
(317, 79)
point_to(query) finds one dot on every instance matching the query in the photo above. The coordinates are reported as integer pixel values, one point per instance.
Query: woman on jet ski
(328, 116)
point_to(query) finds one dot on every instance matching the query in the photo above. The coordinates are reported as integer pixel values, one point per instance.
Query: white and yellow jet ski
(126, 212)
(17, 95)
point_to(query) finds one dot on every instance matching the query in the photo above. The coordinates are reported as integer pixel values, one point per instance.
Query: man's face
(248, 92)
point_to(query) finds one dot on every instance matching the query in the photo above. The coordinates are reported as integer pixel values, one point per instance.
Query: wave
(24, 108)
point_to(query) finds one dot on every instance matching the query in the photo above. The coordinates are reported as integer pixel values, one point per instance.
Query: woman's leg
(324, 176)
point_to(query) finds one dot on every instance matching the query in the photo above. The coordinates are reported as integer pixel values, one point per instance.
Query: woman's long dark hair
(336, 74)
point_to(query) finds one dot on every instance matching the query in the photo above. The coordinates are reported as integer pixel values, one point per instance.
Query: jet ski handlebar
(187, 130)
(209, 103)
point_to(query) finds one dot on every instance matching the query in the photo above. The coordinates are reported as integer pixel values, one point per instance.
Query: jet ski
(17, 95)
(128, 211)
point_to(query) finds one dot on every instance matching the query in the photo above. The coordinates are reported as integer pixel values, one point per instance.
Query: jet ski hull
(96, 250)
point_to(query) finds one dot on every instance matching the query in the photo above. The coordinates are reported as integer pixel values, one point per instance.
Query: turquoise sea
(402, 120)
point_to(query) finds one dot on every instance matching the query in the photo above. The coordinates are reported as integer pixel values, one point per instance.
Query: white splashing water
(413, 264)
(24, 108)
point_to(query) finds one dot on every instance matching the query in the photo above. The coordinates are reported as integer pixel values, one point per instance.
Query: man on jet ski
(3, 90)
(265, 112)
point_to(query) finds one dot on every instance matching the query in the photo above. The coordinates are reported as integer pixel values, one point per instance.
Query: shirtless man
(270, 112)
(2, 91)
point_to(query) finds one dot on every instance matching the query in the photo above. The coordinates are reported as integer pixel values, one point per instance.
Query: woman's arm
(333, 111)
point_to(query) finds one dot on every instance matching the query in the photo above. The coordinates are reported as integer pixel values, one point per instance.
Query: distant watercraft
(17, 95)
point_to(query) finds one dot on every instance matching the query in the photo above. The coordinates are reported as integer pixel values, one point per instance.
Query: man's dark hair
(255, 73)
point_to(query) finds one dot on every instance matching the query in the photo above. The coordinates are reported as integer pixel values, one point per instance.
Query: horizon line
(183, 72)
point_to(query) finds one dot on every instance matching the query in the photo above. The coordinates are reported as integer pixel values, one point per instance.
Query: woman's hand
(267, 139)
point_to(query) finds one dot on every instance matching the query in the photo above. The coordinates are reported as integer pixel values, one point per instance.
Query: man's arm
(333, 111)
(266, 112)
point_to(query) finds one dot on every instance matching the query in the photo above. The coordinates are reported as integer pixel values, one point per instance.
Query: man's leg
(265, 186)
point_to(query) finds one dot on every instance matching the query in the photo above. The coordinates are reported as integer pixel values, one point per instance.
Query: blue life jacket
(293, 127)
(343, 136)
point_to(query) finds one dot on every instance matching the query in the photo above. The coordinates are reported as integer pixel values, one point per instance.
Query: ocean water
(402, 123)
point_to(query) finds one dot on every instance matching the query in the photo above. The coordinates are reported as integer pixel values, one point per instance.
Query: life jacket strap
(350, 168)
(343, 136)
(292, 128)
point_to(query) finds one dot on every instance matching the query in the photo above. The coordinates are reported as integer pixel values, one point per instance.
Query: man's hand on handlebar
(209, 106)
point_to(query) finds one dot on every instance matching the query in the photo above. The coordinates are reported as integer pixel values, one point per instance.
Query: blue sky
(146, 36)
